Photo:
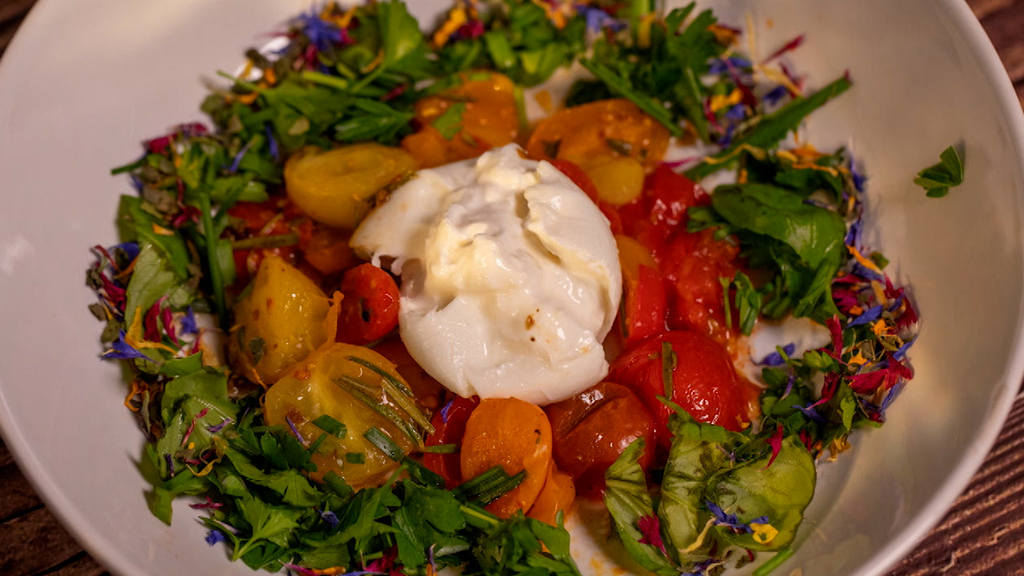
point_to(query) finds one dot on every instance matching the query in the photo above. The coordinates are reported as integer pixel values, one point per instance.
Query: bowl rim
(1001, 402)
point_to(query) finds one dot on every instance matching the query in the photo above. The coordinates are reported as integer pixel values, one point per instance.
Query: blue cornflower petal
(215, 536)
(869, 315)
(736, 113)
(775, 94)
(598, 19)
(811, 413)
(775, 359)
(330, 518)
(275, 152)
(321, 33)
(854, 233)
(188, 322)
(120, 350)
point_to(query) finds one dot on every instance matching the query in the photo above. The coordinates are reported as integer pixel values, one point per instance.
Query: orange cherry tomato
(449, 428)
(370, 307)
(557, 495)
(592, 429)
(515, 435)
(703, 380)
(328, 251)
(600, 130)
(477, 114)
(423, 385)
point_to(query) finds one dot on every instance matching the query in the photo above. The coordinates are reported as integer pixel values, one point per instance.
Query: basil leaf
(938, 179)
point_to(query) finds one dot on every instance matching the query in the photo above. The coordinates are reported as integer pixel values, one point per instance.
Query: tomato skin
(449, 428)
(693, 265)
(704, 382)
(580, 178)
(369, 310)
(592, 429)
(426, 389)
(515, 435)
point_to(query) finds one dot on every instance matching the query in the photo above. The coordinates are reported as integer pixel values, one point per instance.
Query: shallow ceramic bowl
(84, 83)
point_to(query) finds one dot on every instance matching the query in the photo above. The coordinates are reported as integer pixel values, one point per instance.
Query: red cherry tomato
(592, 429)
(449, 427)
(703, 380)
(694, 265)
(581, 179)
(370, 307)
(643, 305)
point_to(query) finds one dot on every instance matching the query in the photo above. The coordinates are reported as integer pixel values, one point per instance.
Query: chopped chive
(441, 449)
(500, 489)
(355, 458)
(383, 374)
(771, 129)
(331, 426)
(384, 443)
(275, 241)
(358, 390)
(422, 474)
(474, 485)
(668, 365)
(725, 281)
(129, 167)
(316, 444)
(337, 484)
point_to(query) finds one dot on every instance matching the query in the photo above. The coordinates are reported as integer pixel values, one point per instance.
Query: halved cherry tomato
(703, 380)
(423, 385)
(370, 308)
(644, 300)
(592, 429)
(694, 265)
(328, 251)
(449, 427)
(483, 115)
(515, 435)
(557, 495)
(599, 130)
(274, 217)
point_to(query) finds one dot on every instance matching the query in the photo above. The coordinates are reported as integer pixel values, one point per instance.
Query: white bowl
(83, 83)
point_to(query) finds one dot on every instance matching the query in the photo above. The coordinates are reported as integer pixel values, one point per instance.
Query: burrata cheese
(510, 276)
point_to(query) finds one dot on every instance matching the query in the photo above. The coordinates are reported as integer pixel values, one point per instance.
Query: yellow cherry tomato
(356, 387)
(279, 322)
(336, 187)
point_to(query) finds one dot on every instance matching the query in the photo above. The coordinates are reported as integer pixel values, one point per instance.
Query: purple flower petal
(775, 359)
(869, 315)
(215, 536)
(120, 350)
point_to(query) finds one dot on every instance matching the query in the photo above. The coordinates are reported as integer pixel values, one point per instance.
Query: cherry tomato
(370, 307)
(581, 179)
(557, 495)
(327, 250)
(449, 428)
(644, 300)
(592, 429)
(423, 385)
(594, 132)
(515, 435)
(274, 217)
(693, 265)
(487, 118)
(310, 390)
(703, 380)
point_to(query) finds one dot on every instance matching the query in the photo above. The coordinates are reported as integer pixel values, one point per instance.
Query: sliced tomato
(369, 310)
(702, 380)
(449, 427)
(592, 429)
(694, 265)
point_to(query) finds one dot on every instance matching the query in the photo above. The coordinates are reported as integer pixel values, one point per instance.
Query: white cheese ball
(510, 276)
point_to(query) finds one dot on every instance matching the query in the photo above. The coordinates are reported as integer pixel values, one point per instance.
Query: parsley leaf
(938, 179)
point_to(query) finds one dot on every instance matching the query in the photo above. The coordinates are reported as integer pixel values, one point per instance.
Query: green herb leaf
(938, 179)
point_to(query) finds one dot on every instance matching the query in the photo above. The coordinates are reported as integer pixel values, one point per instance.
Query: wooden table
(982, 535)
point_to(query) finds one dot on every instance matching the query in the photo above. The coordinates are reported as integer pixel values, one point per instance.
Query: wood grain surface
(983, 534)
